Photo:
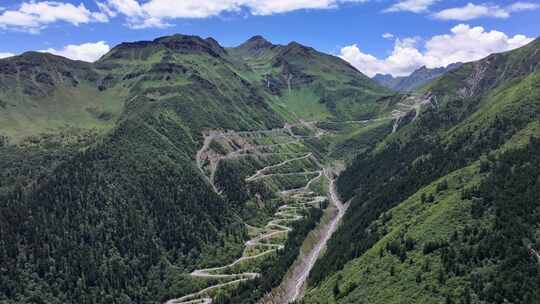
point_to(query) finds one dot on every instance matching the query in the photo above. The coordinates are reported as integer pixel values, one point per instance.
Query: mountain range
(101, 194)
(180, 169)
(415, 80)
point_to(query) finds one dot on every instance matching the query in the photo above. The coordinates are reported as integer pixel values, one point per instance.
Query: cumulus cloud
(86, 52)
(33, 16)
(474, 11)
(388, 36)
(415, 6)
(403, 60)
(5, 55)
(156, 13)
(462, 44)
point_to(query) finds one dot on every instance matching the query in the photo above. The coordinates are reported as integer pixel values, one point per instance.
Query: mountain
(179, 169)
(387, 80)
(109, 189)
(417, 78)
(320, 86)
(43, 92)
(255, 46)
(446, 208)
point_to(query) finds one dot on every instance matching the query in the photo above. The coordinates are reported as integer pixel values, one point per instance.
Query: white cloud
(126, 7)
(415, 6)
(473, 11)
(269, 7)
(388, 36)
(32, 16)
(524, 6)
(403, 60)
(4, 55)
(86, 52)
(155, 13)
(463, 44)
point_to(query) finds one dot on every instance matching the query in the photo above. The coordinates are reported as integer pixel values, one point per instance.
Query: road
(278, 225)
(302, 197)
(292, 287)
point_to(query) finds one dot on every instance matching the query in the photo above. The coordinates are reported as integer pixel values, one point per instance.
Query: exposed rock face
(497, 68)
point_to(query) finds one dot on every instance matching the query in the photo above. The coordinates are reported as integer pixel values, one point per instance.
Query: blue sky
(353, 29)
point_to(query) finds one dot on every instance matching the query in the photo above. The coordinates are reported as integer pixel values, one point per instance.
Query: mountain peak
(176, 43)
(191, 43)
(256, 43)
(254, 46)
(294, 44)
(33, 56)
(258, 39)
(416, 79)
(382, 76)
(180, 38)
(37, 60)
(296, 49)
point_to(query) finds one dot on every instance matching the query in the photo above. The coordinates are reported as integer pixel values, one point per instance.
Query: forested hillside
(435, 207)
(101, 197)
(168, 168)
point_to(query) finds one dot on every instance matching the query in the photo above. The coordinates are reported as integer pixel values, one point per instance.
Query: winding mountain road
(262, 172)
(292, 287)
(298, 199)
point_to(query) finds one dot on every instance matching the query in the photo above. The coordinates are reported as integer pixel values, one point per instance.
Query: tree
(441, 276)
(418, 277)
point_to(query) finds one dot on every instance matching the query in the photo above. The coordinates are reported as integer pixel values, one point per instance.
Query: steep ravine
(293, 285)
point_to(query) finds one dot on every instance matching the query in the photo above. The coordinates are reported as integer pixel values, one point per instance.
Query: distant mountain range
(417, 79)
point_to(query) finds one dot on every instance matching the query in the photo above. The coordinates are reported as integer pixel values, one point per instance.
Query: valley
(180, 171)
(228, 154)
(286, 158)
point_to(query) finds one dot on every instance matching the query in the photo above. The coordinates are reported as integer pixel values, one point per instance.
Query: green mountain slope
(437, 214)
(135, 195)
(312, 85)
(102, 199)
(43, 93)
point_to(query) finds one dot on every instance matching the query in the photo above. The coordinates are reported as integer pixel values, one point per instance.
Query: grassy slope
(382, 275)
(46, 93)
(322, 87)
(354, 139)
(379, 276)
(500, 112)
